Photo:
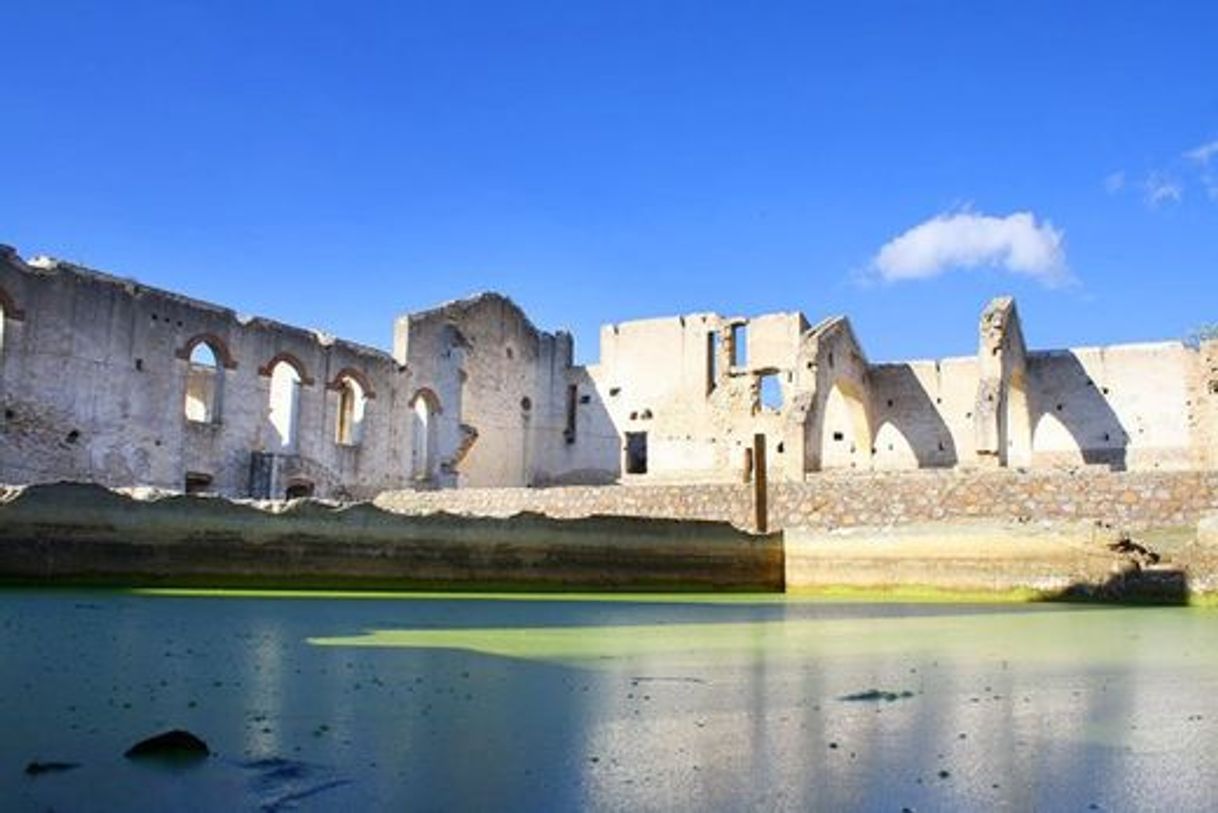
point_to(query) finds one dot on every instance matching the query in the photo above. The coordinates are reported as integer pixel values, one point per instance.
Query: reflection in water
(461, 704)
(261, 670)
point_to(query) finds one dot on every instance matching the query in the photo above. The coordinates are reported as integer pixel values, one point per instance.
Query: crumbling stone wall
(98, 383)
(1203, 406)
(1125, 500)
(692, 387)
(1135, 407)
(503, 392)
(94, 373)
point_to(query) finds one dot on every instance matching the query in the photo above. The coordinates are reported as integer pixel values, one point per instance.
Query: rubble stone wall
(1126, 500)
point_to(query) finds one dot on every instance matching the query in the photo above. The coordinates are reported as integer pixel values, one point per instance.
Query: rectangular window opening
(197, 483)
(636, 452)
(712, 361)
(572, 413)
(740, 345)
(202, 393)
(771, 392)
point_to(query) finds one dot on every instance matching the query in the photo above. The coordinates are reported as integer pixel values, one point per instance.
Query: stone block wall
(1127, 500)
(725, 502)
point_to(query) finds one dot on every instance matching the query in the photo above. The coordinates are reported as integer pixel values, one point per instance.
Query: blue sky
(333, 164)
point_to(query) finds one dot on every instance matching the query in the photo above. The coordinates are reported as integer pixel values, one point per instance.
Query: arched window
(424, 407)
(284, 407)
(204, 379)
(351, 404)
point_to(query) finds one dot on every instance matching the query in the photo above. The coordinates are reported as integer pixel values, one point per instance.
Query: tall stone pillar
(1001, 419)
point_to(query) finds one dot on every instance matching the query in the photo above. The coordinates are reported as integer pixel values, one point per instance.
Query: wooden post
(760, 518)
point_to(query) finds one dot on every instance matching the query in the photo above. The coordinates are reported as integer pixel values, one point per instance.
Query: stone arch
(845, 428)
(1065, 388)
(204, 384)
(290, 359)
(424, 407)
(1053, 443)
(218, 346)
(428, 395)
(892, 449)
(356, 376)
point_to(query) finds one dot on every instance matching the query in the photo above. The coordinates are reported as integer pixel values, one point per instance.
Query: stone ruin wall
(501, 388)
(94, 372)
(1128, 501)
(94, 375)
(1127, 407)
(98, 384)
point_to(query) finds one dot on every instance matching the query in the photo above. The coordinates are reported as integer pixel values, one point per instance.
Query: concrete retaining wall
(86, 534)
(961, 555)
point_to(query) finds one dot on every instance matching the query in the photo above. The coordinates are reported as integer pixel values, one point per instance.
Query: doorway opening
(636, 452)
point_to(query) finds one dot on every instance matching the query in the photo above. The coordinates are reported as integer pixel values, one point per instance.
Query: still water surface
(655, 703)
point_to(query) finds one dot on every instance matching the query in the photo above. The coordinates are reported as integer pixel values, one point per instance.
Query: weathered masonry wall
(1127, 500)
(692, 386)
(97, 383)
(110, 381)
(501, 391)
(109, 538)
(694, 390)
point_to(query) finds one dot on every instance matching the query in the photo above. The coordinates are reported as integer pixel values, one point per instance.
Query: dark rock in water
(36, 768)
(177, 745)
(875, 696)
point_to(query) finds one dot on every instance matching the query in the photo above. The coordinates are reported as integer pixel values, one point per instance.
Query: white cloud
(1204, 153)
(1115, 182)
(964, 240)
(1160, 189)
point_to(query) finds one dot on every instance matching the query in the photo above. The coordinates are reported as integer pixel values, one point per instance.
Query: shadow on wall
(1160, 586)
(914, 415)
(1067, 397)
(587, 442)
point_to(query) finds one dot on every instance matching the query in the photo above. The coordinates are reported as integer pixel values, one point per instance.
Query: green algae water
(314, 702)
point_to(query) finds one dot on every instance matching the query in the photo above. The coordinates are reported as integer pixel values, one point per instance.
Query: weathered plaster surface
(98, 383)
(94, 376)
